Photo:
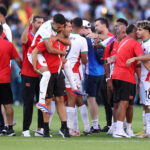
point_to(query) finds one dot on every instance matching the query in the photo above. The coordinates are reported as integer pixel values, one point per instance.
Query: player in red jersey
(111, 50)
(124, 80)
(47, 30)
(7, 35)
(56, 85)
(7, 52)
(30, 79)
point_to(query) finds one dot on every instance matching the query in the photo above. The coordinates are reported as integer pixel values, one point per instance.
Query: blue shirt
(93, 67)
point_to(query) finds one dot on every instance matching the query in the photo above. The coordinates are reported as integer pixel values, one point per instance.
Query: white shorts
(41, 62)
(145, 93)
(77, 78)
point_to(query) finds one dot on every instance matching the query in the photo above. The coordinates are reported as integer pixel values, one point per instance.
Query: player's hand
(64, 60)
(97, 46)
(63, 53)
(92, 35)
(53, 38)
(20, 73)
(37, 71)
(111, 59)
(30, 21)
(129, 61)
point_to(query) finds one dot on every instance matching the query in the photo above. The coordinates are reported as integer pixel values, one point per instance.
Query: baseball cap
(86, 24)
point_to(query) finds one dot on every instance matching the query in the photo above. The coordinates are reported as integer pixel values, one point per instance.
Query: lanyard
(124, 44)
(32, 33)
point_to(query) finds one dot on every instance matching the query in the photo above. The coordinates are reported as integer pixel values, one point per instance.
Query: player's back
(78, 45)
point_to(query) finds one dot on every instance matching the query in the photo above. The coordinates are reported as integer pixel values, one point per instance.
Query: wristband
(107, 79)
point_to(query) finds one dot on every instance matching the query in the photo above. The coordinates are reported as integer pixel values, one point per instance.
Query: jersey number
(147, 94)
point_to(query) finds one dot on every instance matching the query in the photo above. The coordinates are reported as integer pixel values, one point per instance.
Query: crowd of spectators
(20, 10)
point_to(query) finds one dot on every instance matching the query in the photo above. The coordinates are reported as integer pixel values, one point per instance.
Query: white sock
(114, 126)
(129, 126)
(70, 116)
(119, 126)
(52, 111)
(69, 75)
(43, 86)
(95, 124)
(147, 119)
(75, 123)
(144, 120)
(125, 124)
(85, 117)
(112, 119)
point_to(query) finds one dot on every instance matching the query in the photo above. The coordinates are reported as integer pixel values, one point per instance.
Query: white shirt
(146, 50)
(7, 31)
(78, 46)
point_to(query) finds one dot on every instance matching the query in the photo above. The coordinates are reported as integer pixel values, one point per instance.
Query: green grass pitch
(99, 141)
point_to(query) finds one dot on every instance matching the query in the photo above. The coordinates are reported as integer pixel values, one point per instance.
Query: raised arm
(24, 36)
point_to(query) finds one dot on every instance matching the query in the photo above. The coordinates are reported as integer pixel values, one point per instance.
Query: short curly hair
(145, 24)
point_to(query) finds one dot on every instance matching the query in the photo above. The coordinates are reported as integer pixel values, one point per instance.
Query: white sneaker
(26, 133)
(121, 134)
(130, 132)
(110, 131)
(38, 132)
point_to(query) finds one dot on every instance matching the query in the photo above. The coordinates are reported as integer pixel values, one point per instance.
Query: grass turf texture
(99, 141)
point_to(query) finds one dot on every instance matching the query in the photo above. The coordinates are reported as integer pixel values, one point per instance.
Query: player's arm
(138, 72)
(84, 51)
(65, 41)
(143, 57)
(107, 70)
(139, 58)
(97, 36)
(24, 36)
(53, 50)
(19, 62)
(84, 59)
(34, 58)
(15, 56)
(146, 64)
(106, 64)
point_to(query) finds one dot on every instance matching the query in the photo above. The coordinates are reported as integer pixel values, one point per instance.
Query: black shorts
(93, 84)
(123, 91)
(6, 96)
(56, 85)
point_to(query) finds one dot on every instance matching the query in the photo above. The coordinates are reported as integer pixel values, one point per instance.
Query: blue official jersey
(93, 67)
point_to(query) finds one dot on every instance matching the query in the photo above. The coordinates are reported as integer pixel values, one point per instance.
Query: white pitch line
(80, 141)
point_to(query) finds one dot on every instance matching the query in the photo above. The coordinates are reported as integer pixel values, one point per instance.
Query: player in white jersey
(76, 55)
(143, 33)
